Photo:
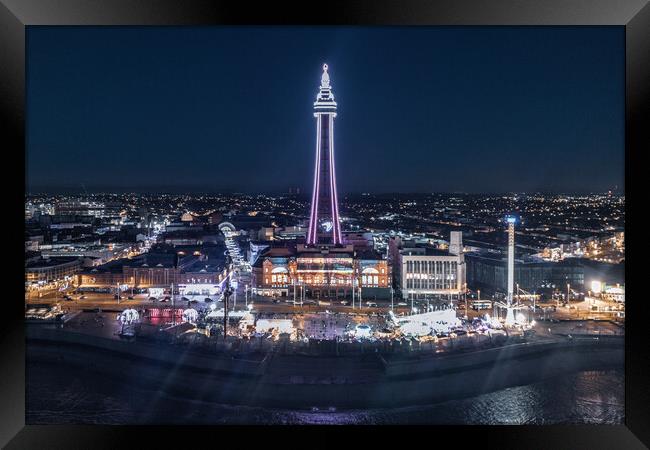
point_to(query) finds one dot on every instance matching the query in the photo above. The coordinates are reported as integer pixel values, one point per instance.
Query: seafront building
(46, 270)
(193, 269)
(489, 272)
(425, 271)
(326, 272)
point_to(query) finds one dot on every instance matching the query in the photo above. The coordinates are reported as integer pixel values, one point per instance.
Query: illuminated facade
(324, 224)
(427, 272)
(323, 273)
(194, 273)
(46, 270)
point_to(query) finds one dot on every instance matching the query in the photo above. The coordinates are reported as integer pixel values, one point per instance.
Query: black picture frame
(634, 15)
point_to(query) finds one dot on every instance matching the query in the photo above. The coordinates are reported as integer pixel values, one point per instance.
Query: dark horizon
(421, 110)
(180, 190)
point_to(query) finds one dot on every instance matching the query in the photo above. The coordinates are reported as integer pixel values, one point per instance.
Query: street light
(465, 294)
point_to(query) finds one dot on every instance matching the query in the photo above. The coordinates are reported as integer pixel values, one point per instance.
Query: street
(242, 298)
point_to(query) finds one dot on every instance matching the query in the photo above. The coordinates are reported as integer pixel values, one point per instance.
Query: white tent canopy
(282, 325)
(441, 321)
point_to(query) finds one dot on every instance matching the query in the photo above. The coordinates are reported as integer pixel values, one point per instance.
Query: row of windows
(370, 280)
(430, 276)
(431, 266)
(447, 283)
(54, 273)
(366, 280)
(279, 279)
(199, 280)
(329, 265)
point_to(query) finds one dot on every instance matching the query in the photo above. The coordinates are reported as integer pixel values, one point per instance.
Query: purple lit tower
(324, 224)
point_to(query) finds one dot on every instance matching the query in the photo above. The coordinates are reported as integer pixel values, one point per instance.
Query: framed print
(361, 213)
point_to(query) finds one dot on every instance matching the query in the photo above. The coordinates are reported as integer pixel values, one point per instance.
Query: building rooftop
(209, 265)
(50, 262)
(423, 250)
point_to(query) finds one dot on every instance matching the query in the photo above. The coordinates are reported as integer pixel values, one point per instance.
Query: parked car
(207, 299)
(130, 297)
(153, 299)
(371, 304)
(82, 297)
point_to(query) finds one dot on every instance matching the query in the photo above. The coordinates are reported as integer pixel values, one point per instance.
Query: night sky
(424, 109)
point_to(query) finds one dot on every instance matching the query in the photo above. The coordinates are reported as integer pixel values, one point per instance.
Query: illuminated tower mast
(324, 224)
(510, 316)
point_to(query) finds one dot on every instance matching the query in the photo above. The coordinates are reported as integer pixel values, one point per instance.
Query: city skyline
(170, 151)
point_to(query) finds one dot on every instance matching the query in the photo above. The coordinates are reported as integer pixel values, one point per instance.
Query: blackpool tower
(324, 224)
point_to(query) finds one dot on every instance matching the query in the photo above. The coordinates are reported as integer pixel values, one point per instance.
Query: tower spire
(325, 78)
(324, 223)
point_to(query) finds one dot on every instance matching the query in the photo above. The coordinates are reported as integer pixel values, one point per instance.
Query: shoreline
(566, 399)
(303, 382)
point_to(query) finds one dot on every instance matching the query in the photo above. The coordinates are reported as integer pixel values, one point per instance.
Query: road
(285, 305)
(261, 304)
